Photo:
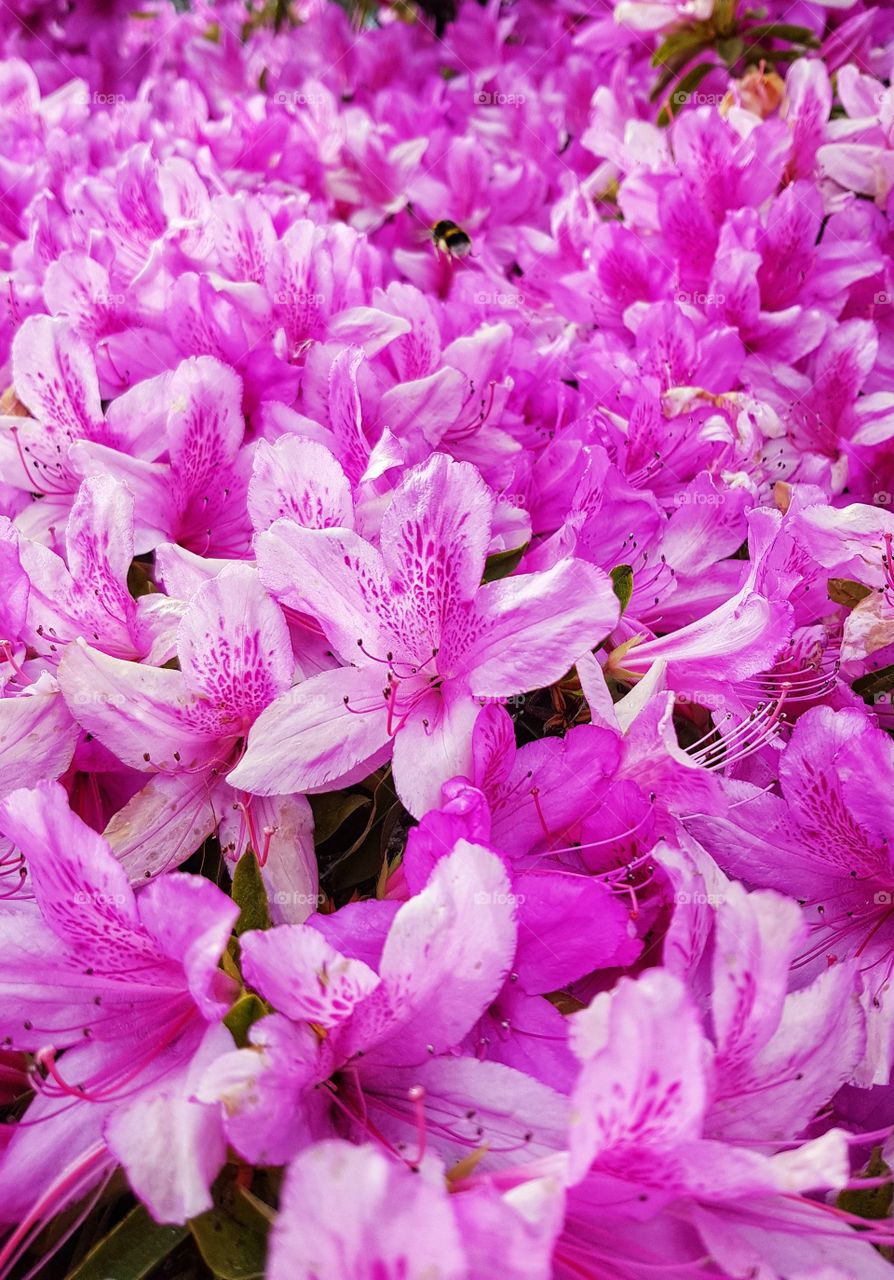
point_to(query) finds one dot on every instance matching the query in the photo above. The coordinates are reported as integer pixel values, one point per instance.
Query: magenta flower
(37, 735)
(826, 842)
(639, 1154)
(403, 1221)
(119, 998)
(426, 641)
(452, 458)
(86, 594)
(187, 727)
(55, 377)
(375, 1005)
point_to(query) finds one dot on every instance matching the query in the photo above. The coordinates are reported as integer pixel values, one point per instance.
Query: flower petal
(233, 644)
(146, 715)
(445, 958)
(311, 738)
(533, 627)
(337, 578)
(400, 1224)
(298, 480)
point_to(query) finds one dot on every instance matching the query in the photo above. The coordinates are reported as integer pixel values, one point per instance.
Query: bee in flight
(450, 239)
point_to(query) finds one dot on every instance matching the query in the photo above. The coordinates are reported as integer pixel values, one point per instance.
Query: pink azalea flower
(120, 998)
(55, 378)
(825, 842)
(406, 1221)
(37, 734)
(372, 1001)
(425, 639)
(639, 1157)
(86, 594)
(264, 433)
(186, 727)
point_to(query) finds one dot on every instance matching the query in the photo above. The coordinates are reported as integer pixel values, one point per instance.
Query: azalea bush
(446, 640)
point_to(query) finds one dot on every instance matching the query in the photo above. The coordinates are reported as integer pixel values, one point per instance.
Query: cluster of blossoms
(446, 776)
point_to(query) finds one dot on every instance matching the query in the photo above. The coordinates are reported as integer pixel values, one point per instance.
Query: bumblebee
(450, 239)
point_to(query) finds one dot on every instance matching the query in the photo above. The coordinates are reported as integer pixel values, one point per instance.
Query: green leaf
(685, 86)
(731, 49)
(781, 55)
(331, 810)
(502, 563)
(250, 894)
(870, 1202)
(786, 31)
(247, 1010)
(622, 582)
(723, 19)
(848, 593)
(232, 1237)
(131, 1250)
(679, 44)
